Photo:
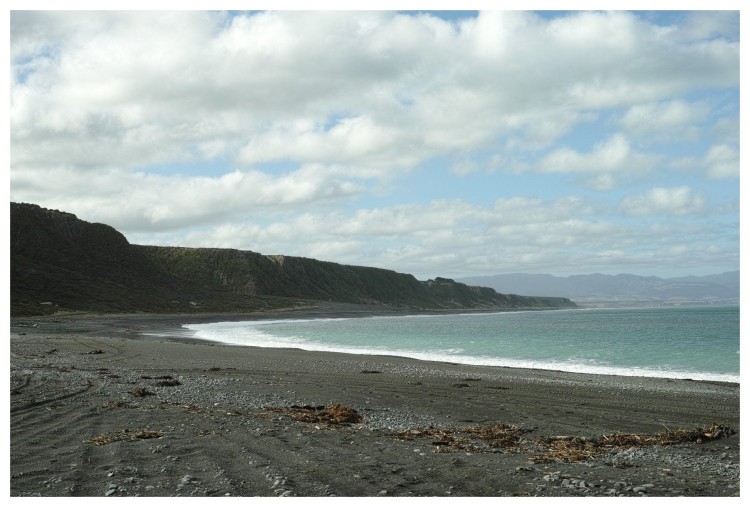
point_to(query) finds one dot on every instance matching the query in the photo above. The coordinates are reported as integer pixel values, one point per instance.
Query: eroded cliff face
(57, 258)
(246, 272)
(250, 273)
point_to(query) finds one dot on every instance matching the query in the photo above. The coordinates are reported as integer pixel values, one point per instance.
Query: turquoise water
(699, 342)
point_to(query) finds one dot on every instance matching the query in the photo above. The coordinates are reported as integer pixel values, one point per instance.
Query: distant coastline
(623, 289)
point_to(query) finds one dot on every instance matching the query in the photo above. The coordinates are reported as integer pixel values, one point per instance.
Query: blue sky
(434, 143)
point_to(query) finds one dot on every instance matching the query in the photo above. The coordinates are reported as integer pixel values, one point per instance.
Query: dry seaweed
(566, 449)
(511, 438)
(491, 438)
(140, 392)
(501, 437)
(334, 414)
(571, 449)
(124, 435)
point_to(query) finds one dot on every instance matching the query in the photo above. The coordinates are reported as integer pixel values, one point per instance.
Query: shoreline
(617, 372)
(223, 426)
(178, 332)
(171, 327)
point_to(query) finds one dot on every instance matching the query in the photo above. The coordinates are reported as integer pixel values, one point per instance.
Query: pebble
(667, 463)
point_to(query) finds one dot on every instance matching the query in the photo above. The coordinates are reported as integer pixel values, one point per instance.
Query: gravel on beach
(128, 406)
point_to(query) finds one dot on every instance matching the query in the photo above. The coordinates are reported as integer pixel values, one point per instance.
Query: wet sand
(129, 406)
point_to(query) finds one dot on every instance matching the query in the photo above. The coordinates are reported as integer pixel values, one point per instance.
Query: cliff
(61, 262)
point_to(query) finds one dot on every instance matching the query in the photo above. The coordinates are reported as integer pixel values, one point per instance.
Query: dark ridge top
(59, 262)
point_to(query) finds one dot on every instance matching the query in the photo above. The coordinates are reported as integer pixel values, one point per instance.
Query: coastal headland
(130, 405)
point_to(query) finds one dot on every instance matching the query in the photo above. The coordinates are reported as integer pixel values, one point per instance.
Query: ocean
(701, 343)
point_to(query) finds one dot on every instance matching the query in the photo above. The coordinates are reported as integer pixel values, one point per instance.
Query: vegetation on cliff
(61, 262)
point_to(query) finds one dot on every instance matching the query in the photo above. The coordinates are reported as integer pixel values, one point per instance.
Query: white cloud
(146, 202)
(709, 25)
(125, 89)
(719, 162)
(464, 167)
(357, 141)
(722, 162)
(675, 201)
(403, 237)
(674, 120)
(548, 128)
(456, 237)
(349, 103)
(608, 160)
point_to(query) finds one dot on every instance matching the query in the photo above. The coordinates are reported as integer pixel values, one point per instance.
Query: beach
(132, 406)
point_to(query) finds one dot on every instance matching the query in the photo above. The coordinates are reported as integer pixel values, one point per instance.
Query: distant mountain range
(61, 263)
(623, 289)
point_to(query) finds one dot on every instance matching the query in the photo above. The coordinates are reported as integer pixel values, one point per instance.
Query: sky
(435, 143)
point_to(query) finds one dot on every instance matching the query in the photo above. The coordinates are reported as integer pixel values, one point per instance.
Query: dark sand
(73, 381)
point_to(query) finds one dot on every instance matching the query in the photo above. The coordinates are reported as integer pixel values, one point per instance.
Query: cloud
(296, 129)
(137, 202)
(719, 162)
(356, 141)
(464, 167)
(455, 237)
(674, 120)
(722, 161)
(128, 89)
(677, 201)
(607, 161)
(709, 25)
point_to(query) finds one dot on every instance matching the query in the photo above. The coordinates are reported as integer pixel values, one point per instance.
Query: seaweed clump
(571, 448)
(332, 415)
(124, 435)
(553, 449)
(491, 438)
